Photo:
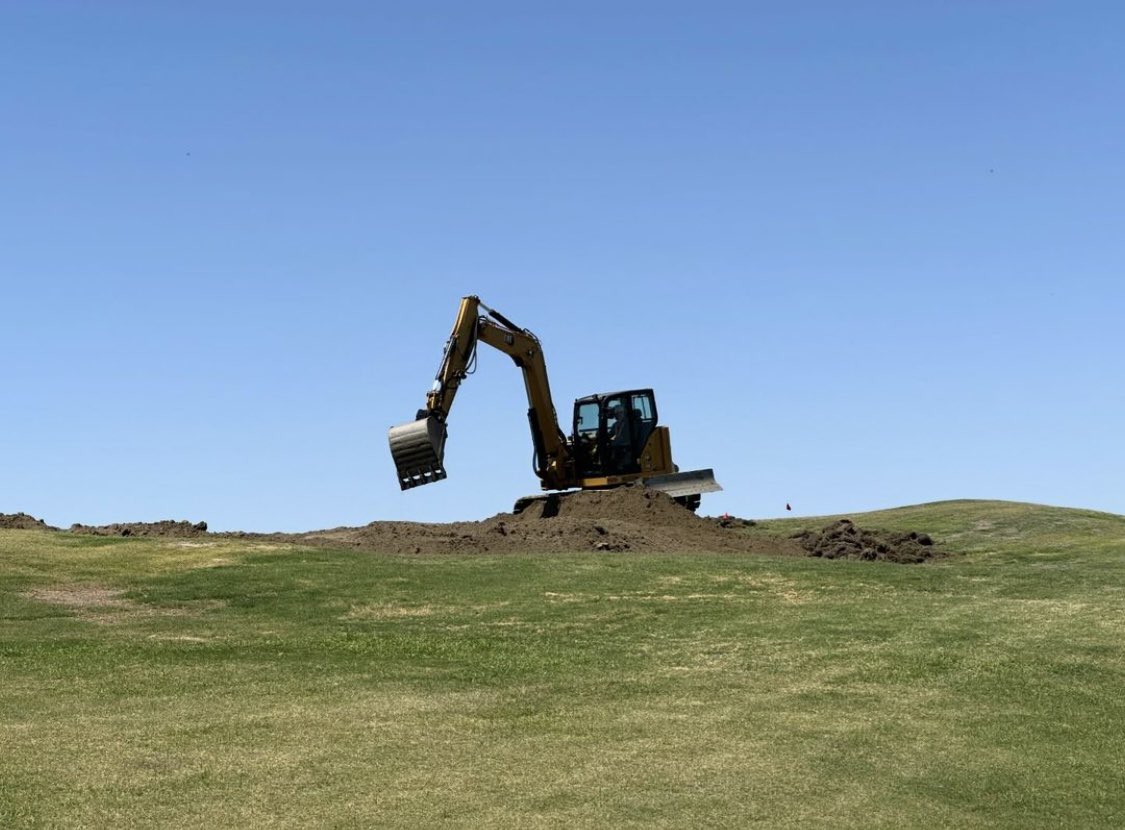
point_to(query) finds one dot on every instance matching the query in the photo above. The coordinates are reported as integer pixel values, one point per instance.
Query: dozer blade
(690, 483)
(418, 448)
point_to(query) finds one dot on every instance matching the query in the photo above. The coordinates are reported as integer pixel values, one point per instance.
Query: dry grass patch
(107, 606)
(81, 596)
(390, 611)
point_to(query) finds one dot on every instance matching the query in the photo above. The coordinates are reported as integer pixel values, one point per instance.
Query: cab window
(644, 417)
(586, 420)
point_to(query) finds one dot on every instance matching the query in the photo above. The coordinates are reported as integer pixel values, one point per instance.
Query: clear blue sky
(868, 254)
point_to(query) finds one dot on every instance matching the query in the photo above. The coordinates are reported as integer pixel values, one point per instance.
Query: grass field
(230, 683)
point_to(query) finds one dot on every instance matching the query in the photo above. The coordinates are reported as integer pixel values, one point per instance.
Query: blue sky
(868, 254)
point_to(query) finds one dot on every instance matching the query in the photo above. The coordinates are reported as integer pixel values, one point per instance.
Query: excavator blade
(418, 448)
(690, 483)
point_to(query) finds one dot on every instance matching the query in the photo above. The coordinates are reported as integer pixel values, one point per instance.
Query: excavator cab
(611, 431)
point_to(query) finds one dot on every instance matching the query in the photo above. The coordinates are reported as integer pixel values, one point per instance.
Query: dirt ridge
(626, 519)
(23, 521)
(165, 527)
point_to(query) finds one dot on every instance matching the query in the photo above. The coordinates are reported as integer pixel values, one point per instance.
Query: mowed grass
(230, 683)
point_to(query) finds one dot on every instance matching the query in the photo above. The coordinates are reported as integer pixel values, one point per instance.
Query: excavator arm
(418, 447)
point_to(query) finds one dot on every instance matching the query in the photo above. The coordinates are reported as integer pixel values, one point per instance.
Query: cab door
(588, 442)
(630, 418)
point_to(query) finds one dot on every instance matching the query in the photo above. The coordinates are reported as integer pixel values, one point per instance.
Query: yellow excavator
(615, 440)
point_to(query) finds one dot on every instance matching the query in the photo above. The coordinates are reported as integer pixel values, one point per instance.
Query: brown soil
(843, 540)
(625, 519)
(22, 521)
(166, 527)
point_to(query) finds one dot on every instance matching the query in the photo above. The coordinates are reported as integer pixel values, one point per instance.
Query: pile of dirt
(727, 520)
(631, 518)
(167, 527)
(22, 521)
(843, 540)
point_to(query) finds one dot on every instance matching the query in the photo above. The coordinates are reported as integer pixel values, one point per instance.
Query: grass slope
(226, 683)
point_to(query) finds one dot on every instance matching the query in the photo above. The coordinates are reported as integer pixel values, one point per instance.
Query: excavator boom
(418, 447)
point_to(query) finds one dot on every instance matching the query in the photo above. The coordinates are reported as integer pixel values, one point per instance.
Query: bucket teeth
(418, 449)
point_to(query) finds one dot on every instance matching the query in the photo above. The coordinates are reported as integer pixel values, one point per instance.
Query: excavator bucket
(679, 485)
(418, 448)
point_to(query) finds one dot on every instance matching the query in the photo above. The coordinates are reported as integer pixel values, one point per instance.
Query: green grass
(236, 684)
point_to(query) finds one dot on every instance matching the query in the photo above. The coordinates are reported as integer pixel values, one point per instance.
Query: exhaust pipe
(418, 449)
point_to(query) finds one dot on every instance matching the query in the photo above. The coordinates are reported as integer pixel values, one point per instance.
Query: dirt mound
(633, 503)
(22, 521)
(843, 540)
(167, 527)
(630, 518)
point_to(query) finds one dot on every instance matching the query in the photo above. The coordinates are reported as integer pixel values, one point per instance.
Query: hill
(223, 681)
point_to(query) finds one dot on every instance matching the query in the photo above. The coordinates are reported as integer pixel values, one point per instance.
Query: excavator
(615, 440)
